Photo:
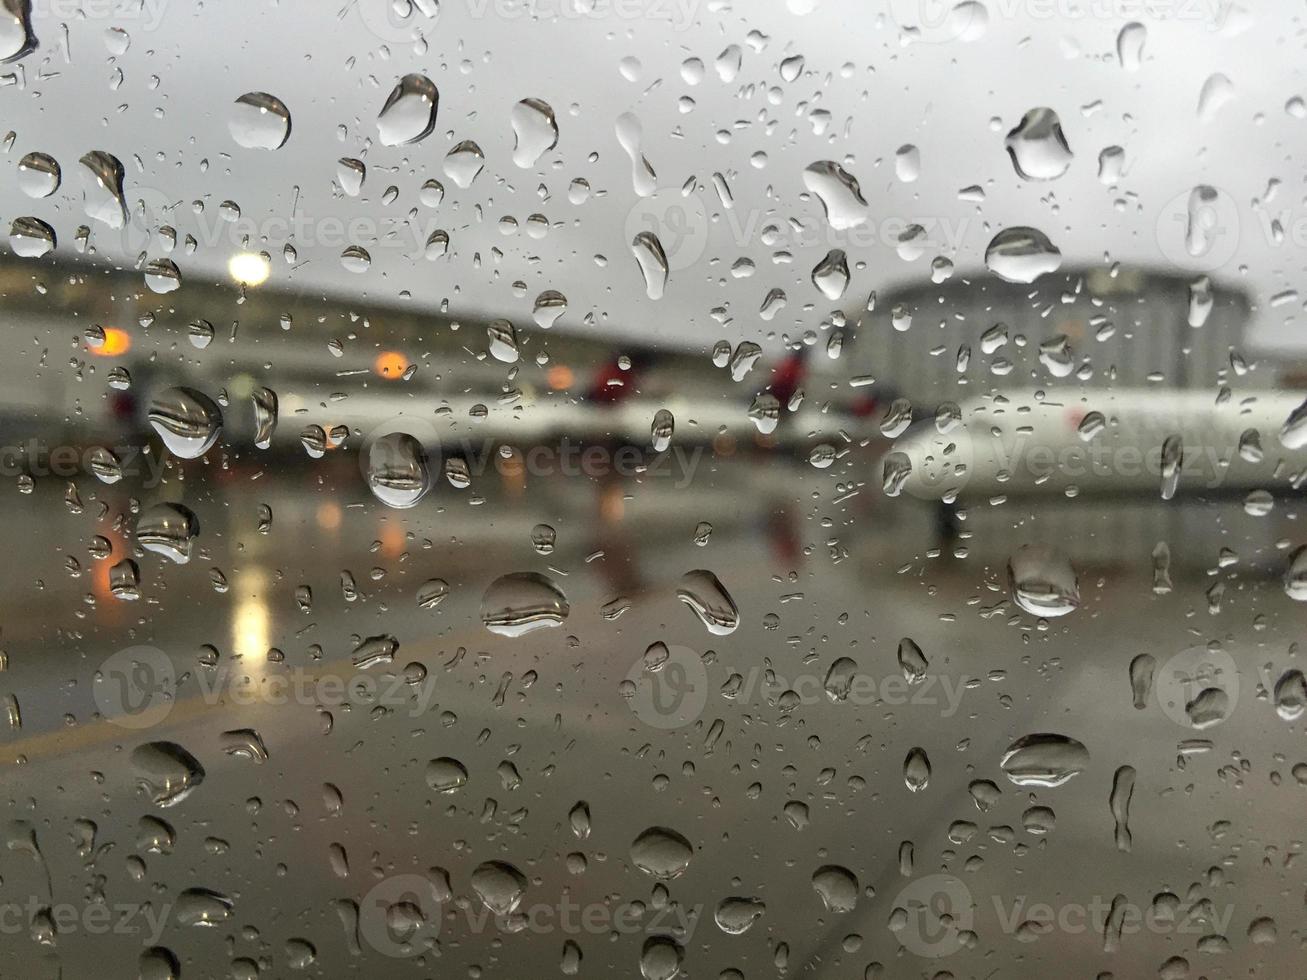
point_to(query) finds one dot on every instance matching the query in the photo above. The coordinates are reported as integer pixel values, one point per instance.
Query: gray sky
(954, 99)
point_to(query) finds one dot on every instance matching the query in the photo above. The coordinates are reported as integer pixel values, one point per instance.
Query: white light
(249, 268)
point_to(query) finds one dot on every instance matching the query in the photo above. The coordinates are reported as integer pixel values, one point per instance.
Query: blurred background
(615, 488)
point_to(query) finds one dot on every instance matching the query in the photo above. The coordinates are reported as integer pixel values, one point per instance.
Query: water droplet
(102, 188)
(463, 163)
(1130, 45)
(1038, 147)
(661, 958)
(1293, 434)
(1021, 255)
(1142, 670)
(1291, 695)
(187, 421)
(1172, 462)
(831, 275)
(1123, 788)
(1042, 581)
(31, 238)
(243, 743)
(708, 599)
(169, 530)
(16, 37)
(432, 593)
(839, 679)
(202, 907)
(839, 194)
(38, 174)
(651, 258)
(549, 306)
(163, 276)
(661, 852)
(735, 916)
(916, 770)
(522, 602)
(265, 416)
(259, 121)
(446, 775)
(1295, 575)
(397, 470)
(409, 114)
(535, 131)
(350, 174)
(499, 885)
(660, 431)
(502, 336)
(356, 259)
(158, 963)
(837, 888)
(1217, 92)
(629, 135)
(1044, 760)
(166, 772)
(543, 538)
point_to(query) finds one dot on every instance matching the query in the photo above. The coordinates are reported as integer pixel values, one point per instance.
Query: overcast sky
(953, 98)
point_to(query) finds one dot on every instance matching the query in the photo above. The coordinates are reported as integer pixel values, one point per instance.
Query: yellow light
(250, 621)
(249, 268)
(116, 343)
(390, 364)
(560, 377)
(328, 516)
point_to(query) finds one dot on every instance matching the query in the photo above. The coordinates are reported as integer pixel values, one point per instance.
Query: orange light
(116, 343)
(561, 377)
(328, 516)
(390, 365)
(392, 540)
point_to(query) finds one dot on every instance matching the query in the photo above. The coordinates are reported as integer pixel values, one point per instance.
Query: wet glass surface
(652, 489)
